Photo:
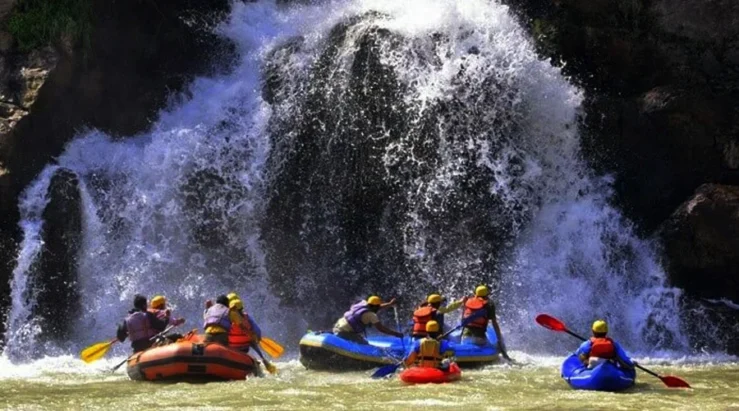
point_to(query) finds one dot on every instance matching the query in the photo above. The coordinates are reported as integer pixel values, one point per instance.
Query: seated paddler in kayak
(476, 331)
(431, 310)
(600, 348)
(158, 307)
(429, 351)
(140, 325)
(242, 335)
(219, 318)
(353, 325)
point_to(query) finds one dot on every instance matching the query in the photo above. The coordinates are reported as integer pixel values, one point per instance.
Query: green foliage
(36, 23)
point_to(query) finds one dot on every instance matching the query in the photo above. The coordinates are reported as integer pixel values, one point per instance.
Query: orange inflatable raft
(191, 361)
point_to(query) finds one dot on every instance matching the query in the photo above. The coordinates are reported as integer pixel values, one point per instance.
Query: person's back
(139, 326)
(429, 310)
(429, 351)
(353, 324)
(218, 321)
(241, 335)
(600, 348)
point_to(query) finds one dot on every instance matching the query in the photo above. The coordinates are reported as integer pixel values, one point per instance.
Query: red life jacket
(421, 316)
(240, 334)
(472, 305)
(602, 348)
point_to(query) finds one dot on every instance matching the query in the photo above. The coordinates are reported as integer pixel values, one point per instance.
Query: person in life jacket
(475, 331)
(429, 351)
(360, 316)
(158, 307)
(140, 326)
(218, 320)
(243, 335)
(600, 348)
(429, 310)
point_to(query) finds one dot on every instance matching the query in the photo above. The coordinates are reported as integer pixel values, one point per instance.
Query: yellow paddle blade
(271, 347)
(96, 351)
(271, 368)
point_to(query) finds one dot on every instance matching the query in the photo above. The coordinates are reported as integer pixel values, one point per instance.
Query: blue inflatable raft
(604, 377)
(325, 351)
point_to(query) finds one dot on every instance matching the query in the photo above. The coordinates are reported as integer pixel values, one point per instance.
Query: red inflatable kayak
(425, 375)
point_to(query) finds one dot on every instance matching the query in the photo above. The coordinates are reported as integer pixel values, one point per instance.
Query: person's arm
(381, 328)
(157, 323)
(451, 307)
(255, 329)
(622, 357)
(388, 304)
(122, 332)
(583, 352)
(413, 356)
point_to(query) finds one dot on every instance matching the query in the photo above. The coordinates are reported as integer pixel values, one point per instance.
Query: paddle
(166, 330)
(271, 368)
(272, 348)
(97, 351)
(554, 324)
(386, 370)
(397, 324)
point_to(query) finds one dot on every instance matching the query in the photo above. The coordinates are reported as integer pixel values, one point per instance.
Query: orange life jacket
(421, 316)
(602, 348)
(429, 353)
(472, 305)
(240, 334)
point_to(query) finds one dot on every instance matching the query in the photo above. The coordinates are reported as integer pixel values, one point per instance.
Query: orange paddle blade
(271, 347)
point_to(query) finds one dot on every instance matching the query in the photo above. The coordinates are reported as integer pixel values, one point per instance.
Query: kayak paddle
(271, 368)
(386, 370)
(547, 321)
(96, 351)
(271, 347)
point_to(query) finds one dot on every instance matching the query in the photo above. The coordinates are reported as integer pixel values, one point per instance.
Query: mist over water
(357, 147)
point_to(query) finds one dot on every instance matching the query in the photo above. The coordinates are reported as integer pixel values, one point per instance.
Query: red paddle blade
(674, 382)
(547, 321)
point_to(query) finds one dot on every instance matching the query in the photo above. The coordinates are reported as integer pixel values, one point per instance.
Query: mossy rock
(36, 23)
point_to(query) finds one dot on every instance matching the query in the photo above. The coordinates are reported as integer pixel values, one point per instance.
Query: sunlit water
(67, 383)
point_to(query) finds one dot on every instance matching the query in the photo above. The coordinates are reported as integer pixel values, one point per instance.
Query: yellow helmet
(481, 291)
(432, 327)
(237, 304)
(600, 327)
(233, 296)
(158, 302)
(434, 298)
(374, 300)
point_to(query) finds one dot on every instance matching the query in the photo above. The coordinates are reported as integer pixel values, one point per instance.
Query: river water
(67, 383)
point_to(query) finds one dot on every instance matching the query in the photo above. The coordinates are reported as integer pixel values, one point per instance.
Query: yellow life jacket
(429, 353)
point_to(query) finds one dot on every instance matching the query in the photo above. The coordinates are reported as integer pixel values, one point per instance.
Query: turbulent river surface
(66, 383)
(396, 147)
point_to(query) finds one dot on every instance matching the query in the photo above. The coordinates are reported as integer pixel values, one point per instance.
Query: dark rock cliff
(137, 55)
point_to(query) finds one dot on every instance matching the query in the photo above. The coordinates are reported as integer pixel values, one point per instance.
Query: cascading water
(357, 147)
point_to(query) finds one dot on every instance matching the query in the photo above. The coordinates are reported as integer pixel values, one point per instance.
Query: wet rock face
(356, 198)
(140, 52)
(701, 242)
(662, 81)
(55, 272)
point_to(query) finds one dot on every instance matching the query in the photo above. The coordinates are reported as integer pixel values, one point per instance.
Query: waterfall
(358, 147)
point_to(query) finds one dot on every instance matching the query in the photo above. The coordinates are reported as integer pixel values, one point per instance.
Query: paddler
(243, 335)
(219, 319)
(158, 307)
(140, 325)
(475, 331)
(361, 315)
(600, 348)
(429, 351)
(431, 309)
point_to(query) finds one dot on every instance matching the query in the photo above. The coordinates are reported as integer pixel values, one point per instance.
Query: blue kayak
(604, 377)
(325, 351)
